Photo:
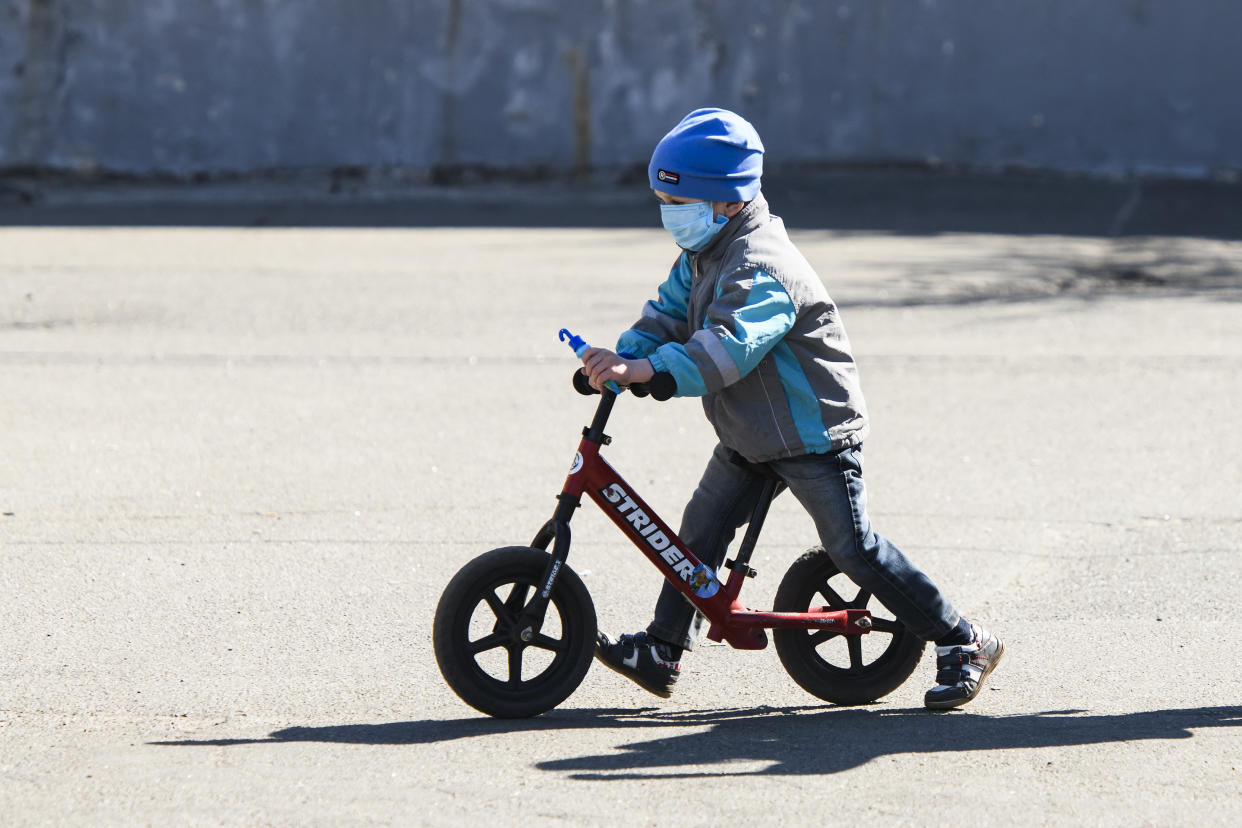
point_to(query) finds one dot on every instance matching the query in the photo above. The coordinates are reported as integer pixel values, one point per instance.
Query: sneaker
(961, 669)
(640, 658)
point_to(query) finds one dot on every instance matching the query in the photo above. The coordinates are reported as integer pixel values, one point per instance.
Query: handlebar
(661, 387)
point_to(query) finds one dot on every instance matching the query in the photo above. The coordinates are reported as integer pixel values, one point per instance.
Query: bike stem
(595, 431)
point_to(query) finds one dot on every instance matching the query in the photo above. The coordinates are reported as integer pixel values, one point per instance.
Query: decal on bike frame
(647, 529)
(703, 581)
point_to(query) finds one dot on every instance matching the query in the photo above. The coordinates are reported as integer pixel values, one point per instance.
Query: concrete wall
(174, 86)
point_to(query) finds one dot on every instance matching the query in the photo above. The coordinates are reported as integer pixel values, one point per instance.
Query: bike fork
(556, 532)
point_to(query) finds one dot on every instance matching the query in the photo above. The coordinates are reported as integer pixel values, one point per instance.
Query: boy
(744, 322)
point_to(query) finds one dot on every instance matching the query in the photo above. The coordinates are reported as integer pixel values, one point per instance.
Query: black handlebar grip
(583, 385)
(661, 387)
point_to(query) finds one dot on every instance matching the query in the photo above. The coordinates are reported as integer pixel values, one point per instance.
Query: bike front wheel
(498, 663)
(841, 668)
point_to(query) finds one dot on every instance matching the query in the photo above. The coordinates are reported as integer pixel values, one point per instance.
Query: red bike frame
(730, 620)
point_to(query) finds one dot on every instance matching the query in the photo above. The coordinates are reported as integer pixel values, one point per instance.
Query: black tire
(480, 650)
(843, 669)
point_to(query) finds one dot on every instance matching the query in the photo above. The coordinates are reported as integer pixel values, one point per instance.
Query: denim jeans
(830, 488)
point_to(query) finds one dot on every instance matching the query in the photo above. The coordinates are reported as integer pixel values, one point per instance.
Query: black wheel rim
(850, 655)
(509, 657)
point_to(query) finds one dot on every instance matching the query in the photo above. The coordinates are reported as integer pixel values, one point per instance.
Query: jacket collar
(752, 216)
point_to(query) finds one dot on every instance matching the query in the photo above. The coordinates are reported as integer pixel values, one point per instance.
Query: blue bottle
(579, 347)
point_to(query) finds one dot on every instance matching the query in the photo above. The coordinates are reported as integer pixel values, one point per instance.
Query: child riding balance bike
(743, 322)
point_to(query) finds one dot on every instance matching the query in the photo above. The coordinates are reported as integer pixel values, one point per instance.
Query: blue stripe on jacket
(803, 403)
(672, 302)
(732, 342)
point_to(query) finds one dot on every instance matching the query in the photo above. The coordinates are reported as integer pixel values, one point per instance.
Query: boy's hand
(601, 365)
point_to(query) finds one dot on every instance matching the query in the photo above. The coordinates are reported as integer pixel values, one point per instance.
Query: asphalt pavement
(240, 464)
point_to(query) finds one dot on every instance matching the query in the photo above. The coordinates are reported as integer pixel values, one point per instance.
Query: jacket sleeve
(664, 318)
(751, 313)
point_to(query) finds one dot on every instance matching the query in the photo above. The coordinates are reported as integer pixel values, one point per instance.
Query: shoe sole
(949, 705)
(663, 692)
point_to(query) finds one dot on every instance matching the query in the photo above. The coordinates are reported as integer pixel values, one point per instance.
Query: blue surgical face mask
(693, 225)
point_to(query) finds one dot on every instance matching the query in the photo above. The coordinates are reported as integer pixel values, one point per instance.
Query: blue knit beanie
(713, 155)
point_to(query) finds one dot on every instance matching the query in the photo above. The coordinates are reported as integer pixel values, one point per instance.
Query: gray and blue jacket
(747, 325)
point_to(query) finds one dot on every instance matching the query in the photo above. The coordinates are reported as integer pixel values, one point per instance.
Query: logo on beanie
(668, 177)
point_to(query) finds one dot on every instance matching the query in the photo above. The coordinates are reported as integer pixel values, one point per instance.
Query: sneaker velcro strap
(954, 659)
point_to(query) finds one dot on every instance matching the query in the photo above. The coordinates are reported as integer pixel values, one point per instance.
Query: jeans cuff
(666, 634)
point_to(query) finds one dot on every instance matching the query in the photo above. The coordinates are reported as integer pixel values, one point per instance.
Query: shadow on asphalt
(791, 740)
(1165, 268)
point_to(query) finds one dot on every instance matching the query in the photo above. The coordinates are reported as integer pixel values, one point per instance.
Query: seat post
(771, 488)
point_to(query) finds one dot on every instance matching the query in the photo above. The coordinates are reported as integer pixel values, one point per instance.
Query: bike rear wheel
(843, 669)
(498, 665)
